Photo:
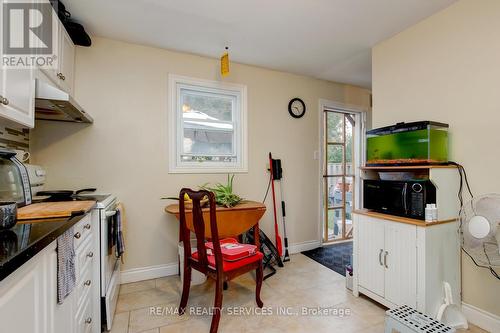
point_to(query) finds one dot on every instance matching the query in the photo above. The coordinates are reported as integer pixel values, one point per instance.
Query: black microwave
(402, 198)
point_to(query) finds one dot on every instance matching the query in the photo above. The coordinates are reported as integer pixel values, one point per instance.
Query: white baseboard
(485, 320)
(157, 271)
(149, 272)
(304, 246)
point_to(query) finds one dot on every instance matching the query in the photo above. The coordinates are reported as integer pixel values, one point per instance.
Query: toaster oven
(14, 180)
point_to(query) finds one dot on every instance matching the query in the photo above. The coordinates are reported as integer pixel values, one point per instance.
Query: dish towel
(66, 274)
(120, 242)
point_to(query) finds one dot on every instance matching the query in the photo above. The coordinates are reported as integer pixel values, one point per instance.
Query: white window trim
(175, 166)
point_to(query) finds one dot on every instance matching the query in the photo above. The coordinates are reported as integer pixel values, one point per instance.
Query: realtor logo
(29, 38)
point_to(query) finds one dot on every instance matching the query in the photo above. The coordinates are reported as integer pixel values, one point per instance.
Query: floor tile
(304, 296)
(120, 323)
(137, 286)
(141, 299)
(154, 317)
(154, 330)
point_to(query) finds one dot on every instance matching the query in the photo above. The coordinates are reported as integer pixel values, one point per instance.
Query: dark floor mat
(335, 256)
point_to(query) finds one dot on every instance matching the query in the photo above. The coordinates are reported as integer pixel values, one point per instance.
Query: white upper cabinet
(17, 92)
(65, 75)
(17, 86)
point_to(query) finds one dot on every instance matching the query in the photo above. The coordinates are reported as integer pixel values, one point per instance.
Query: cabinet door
(400, 262)
(18, 93)
(22, 301)
(370, 251)
(66, 61)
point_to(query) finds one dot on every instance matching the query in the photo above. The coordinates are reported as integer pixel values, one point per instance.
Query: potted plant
(224, 195)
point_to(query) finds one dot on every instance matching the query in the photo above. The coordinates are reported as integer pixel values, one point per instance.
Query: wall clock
(296, 108)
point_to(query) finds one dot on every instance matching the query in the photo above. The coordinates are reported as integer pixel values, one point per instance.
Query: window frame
(175, 125)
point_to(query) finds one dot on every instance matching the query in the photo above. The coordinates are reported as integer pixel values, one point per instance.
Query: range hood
(52, 103)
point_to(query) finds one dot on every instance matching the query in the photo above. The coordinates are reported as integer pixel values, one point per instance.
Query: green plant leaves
(224, 195)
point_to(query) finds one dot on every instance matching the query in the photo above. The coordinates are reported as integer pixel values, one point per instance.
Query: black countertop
(23, 241)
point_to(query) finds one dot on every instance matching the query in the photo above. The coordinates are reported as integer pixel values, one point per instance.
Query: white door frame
(359, 154)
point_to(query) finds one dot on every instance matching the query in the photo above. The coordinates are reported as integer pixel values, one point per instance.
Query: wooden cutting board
(44, 210)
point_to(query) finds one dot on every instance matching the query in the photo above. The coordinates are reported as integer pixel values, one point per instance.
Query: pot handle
(86, 190)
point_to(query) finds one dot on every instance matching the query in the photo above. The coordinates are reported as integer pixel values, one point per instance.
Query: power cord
(465, 180)
(267, 190)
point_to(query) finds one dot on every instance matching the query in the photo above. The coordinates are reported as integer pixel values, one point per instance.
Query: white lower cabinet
(371, 270)
(28, 297)
(24, 300)
(400, 263)
(395, 263)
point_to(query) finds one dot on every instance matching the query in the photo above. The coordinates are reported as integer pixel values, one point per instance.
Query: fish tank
(416, 143)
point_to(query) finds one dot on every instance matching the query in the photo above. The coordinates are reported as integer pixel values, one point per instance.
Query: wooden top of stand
(400, 219)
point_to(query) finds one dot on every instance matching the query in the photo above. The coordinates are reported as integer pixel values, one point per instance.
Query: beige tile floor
(302, 284)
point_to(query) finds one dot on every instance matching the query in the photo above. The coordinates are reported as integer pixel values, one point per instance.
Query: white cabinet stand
(397, 263)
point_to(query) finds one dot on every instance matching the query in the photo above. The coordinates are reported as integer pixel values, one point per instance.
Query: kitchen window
(207, 126)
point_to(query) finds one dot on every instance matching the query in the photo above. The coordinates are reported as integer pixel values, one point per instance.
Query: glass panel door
(338, 175)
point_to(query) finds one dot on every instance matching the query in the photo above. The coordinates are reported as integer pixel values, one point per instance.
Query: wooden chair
(212, 266)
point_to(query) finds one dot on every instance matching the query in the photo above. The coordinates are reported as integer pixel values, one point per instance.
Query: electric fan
(480, 231)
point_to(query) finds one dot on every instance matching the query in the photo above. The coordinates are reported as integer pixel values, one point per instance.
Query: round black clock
(296, 108)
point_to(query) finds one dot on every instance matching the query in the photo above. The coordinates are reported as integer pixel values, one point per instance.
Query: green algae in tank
(414, 143)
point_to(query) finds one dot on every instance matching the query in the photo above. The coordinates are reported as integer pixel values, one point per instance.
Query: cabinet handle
(63, 78)
(88, 320)
(380, 257)
(78, 235)
(385, 259)
(88, 283)
(87, 226)
(91, 254)
(4, 100)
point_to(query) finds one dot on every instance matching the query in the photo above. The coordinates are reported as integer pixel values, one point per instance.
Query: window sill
(205, 170)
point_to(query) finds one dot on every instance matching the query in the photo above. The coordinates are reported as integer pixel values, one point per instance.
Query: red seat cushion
(231, 265)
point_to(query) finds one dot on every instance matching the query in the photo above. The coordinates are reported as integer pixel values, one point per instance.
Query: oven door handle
(110, 213)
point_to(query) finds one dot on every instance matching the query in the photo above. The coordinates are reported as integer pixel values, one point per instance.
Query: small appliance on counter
(14, 180)
(403, 198)
(416, 143)
(8, 214)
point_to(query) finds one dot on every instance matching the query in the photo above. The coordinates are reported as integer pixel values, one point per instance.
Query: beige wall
(124, 87)
(447, 68)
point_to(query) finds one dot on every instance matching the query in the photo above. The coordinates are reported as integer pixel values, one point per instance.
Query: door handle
(110, 213)
(380, 257)
(385, 259)
(405, 192)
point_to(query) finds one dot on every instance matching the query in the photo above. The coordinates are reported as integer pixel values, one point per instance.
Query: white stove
(105, 212)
